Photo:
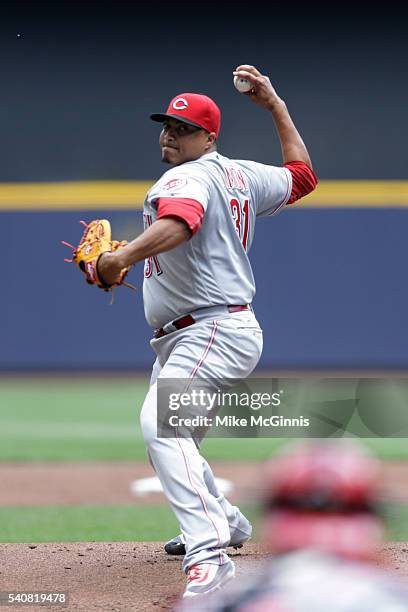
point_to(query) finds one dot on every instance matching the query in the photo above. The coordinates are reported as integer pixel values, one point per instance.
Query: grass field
(86, 523)
(91, 419)
(127, 523)
(76, 419)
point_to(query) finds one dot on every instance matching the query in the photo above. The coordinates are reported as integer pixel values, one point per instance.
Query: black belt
(188, 320)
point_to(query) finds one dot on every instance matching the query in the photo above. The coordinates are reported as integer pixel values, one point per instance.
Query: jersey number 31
(151, 263)
(240, 214)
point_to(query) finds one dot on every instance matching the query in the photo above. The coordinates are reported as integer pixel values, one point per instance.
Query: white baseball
(243, 85)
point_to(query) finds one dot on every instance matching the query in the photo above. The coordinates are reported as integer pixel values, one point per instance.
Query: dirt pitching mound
(119, 576)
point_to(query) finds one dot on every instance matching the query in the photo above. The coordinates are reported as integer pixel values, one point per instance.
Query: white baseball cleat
(205, 578)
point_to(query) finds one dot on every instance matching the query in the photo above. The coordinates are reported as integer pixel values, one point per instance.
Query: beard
(165, 158)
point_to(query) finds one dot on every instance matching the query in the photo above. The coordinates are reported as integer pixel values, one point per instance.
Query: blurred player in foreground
(322, 524)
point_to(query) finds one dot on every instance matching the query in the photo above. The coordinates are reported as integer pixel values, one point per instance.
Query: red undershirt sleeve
(304, 180)
(190, 211)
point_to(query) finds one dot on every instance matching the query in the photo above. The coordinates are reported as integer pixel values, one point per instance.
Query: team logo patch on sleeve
(175, 183)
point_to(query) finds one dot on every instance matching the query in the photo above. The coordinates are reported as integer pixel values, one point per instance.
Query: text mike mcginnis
(255, 420)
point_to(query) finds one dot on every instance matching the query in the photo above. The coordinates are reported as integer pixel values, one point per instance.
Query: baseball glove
(96, 240)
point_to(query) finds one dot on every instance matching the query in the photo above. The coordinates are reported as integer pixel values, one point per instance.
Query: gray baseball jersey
(213, 267)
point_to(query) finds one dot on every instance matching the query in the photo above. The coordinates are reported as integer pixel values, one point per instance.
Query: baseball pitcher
(198, 287)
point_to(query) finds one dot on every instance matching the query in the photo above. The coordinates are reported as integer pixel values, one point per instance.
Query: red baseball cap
(323, 495)
(194, 109)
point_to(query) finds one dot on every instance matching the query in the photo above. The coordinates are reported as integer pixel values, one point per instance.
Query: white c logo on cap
(180, 104)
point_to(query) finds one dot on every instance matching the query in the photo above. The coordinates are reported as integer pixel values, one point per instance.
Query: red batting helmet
(323, 495)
